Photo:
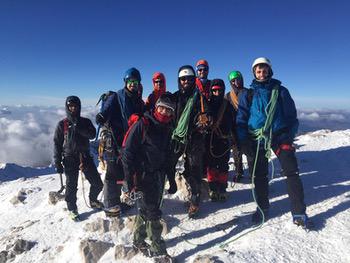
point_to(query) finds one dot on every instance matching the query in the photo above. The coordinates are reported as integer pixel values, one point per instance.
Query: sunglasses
(187, 78)
(132, 81)
(202, 69)
(72, 104)
(159, 81)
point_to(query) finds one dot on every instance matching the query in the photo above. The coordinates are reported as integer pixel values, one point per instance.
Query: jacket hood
(76, 100)
(159, 75)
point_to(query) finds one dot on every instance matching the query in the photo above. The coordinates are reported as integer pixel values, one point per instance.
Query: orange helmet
(202, 62)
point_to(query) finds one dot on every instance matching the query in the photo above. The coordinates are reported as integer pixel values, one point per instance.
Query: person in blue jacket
(268, 98)
(113, 117)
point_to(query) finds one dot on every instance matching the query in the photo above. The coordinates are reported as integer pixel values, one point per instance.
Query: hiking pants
(71, 168)
(194, 165)
(290, 169)
(147, 222)
(112, 189)
(237, 159)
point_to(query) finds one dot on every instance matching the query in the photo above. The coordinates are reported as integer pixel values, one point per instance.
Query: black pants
(71, 167)
(193, 173)
(152, 187)
(148, 220)
(114, 174)
(290, 169)
(237, 158)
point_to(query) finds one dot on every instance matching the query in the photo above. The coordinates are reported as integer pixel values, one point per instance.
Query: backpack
(134, 118)
(102, 99)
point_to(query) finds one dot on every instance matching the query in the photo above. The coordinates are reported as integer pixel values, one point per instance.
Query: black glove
(59, 168)
(173, 187)
(100, 120)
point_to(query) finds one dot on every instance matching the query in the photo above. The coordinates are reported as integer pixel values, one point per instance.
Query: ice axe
(62, 186)
(54, 197)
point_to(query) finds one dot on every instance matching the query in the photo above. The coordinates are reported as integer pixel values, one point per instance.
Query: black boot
(257, 217)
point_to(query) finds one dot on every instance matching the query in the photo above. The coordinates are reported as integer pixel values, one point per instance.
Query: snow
(323, 156)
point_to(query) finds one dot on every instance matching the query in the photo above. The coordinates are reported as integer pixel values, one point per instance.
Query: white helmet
(261, 60)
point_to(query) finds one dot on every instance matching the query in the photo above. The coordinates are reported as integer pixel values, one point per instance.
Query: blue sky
(54, 48)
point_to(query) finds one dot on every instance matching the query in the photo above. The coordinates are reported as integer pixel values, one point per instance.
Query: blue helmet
(132, 73)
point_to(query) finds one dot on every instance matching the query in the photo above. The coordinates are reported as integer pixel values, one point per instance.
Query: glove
(125, 194)
(59, 168)
(172, 188)
(100, 120)
(124, 197)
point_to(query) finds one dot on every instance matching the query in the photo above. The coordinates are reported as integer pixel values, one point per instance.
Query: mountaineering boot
(143, 248)
(257, 216)
(165, 258)
(124, 207)
(214, 196)
(237, 178)
(140, 235)
(112, 211)
(193, 210)
(302, 221)
(222, 197)
(74, 215)
(96, 205)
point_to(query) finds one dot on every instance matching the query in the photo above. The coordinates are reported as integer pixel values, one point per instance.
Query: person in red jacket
(159, 88)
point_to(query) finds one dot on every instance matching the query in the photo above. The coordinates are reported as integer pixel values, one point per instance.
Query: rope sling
(181, 131)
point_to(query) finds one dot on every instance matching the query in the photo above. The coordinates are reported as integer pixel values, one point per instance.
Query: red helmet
(202, 62)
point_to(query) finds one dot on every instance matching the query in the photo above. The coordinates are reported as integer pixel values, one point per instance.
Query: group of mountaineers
(141, 143)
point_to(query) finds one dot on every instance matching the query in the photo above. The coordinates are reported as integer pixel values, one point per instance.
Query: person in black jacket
(147, 145)
(220, 140)
(191, 121)
(72, 152)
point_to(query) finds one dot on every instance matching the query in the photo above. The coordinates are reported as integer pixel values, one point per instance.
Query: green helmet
(234, 75)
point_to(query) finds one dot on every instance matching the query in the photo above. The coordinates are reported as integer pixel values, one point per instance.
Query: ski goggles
(132, 81)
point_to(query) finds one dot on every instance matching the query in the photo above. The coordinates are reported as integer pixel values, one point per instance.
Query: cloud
(311, 120)
(311, 117)
(26, 134)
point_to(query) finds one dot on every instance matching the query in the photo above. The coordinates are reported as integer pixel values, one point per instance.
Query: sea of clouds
(26, 132)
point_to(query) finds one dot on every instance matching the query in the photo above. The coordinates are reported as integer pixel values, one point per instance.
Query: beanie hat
(166, 100)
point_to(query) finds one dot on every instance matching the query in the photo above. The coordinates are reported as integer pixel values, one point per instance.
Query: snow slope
(324, 158)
